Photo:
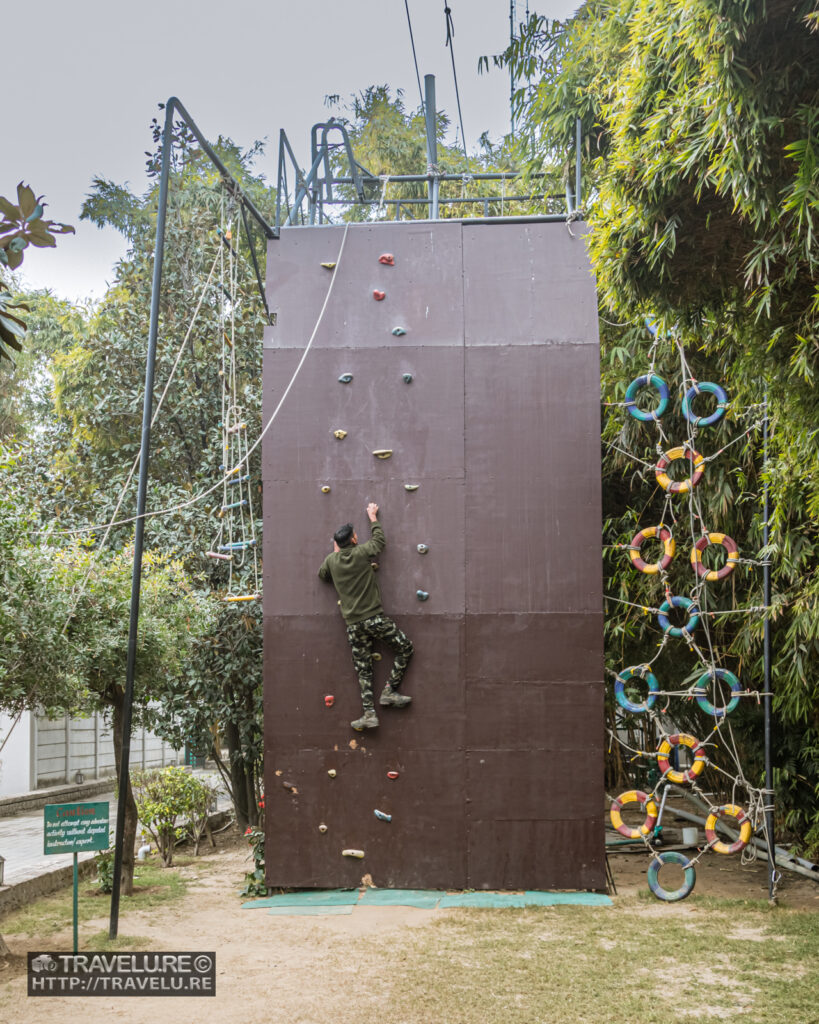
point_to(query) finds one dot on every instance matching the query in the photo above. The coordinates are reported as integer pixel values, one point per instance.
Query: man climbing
(351, 570)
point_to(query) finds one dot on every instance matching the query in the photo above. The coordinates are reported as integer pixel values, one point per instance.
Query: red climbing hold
(378, 296)
(392, 775)
(329, 700)
(387, 259)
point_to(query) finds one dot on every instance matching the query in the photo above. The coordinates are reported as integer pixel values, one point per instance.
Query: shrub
(167, 799)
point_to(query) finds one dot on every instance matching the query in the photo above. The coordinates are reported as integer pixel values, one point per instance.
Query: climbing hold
(374, 566)
(407, 378)
(745, 829)
(331, 772)
(382, 816)
(631, 394)
(325, 489)
(322, 828)
(639, 672)
(383, 453)
(329, 266)
(678, 602)
(689, 878)
(681, 739)
(730, 563)
(290, 786)
(422, 595)
(663, 534)
(352, 853)
(392, 775)
(398, 331)
(387, 259)
(329, 700)
(679, 486)
(701, 693)
(634, 796)
(422, 549)
(378, 295)
(691, 394)
(345, 378)
(411, 487)
(375, 656)
(339, 435)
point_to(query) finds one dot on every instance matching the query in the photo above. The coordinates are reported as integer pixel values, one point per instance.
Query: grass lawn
(637, 963)
(53, 915)
(706, 960)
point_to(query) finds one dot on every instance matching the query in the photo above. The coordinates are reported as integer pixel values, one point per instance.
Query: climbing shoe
(368, 720)
(392, 699)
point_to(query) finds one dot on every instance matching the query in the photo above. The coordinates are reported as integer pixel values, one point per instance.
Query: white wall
(15, 759)
(65, 747)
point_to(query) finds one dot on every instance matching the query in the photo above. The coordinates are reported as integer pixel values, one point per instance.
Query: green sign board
(75, 828)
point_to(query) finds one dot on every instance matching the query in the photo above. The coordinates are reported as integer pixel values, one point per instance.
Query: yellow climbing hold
(340, 434)
(383, 453)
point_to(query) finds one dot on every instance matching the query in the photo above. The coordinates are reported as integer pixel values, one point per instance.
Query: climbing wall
(473, 358)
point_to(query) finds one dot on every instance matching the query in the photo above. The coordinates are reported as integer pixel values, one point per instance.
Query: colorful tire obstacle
(647, 380)
(711, 690)
(638, 672)
(671, 895)
(681, 739)
(745, 829)
(705, 387)
(672, 455)
(701, 692)
(663, 534)
(633, 796)
(731, 562)
(683, 632)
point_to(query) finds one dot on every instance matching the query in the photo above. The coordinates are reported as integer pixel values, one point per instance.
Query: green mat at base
(424, 899)
(342, 901)
(523, 899)
(312, 911)
(313, 898)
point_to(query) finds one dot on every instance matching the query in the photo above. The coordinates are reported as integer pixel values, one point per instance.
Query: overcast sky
(83, 80)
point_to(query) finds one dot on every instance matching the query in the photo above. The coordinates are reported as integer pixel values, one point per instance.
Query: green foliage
(255, 884)
(104, 863)
(387, 139)
(700, 134)
(21, 225)
(170, 802)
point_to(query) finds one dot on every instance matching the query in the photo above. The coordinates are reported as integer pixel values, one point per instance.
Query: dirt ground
(308, 970)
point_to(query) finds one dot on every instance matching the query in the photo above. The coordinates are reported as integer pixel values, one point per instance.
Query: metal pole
(512, 19)
(766, 654)
(76, 904)
(136, 577)
(430, 116)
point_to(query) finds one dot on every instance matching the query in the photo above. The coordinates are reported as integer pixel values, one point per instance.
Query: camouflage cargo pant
(361, 636)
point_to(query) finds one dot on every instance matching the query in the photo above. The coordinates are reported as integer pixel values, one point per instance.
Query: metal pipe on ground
(783, 858)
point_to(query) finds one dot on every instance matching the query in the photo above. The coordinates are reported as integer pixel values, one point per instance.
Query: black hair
(344, 535)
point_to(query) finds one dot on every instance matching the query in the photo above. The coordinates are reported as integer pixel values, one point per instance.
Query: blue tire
(641, 672)
(671, 895)
(711, 389)
(701, 693)
(631, 395)
(678, 602)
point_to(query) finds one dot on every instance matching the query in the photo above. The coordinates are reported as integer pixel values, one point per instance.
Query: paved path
(21, 839)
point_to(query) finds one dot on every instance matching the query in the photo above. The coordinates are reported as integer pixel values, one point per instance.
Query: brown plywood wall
(500, 755)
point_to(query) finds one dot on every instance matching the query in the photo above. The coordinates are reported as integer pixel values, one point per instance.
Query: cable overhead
(450, 32)
(414, 56)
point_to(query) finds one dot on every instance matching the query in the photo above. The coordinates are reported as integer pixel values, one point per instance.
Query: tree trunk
(237, 775)
(129, 837)
(4, 949)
